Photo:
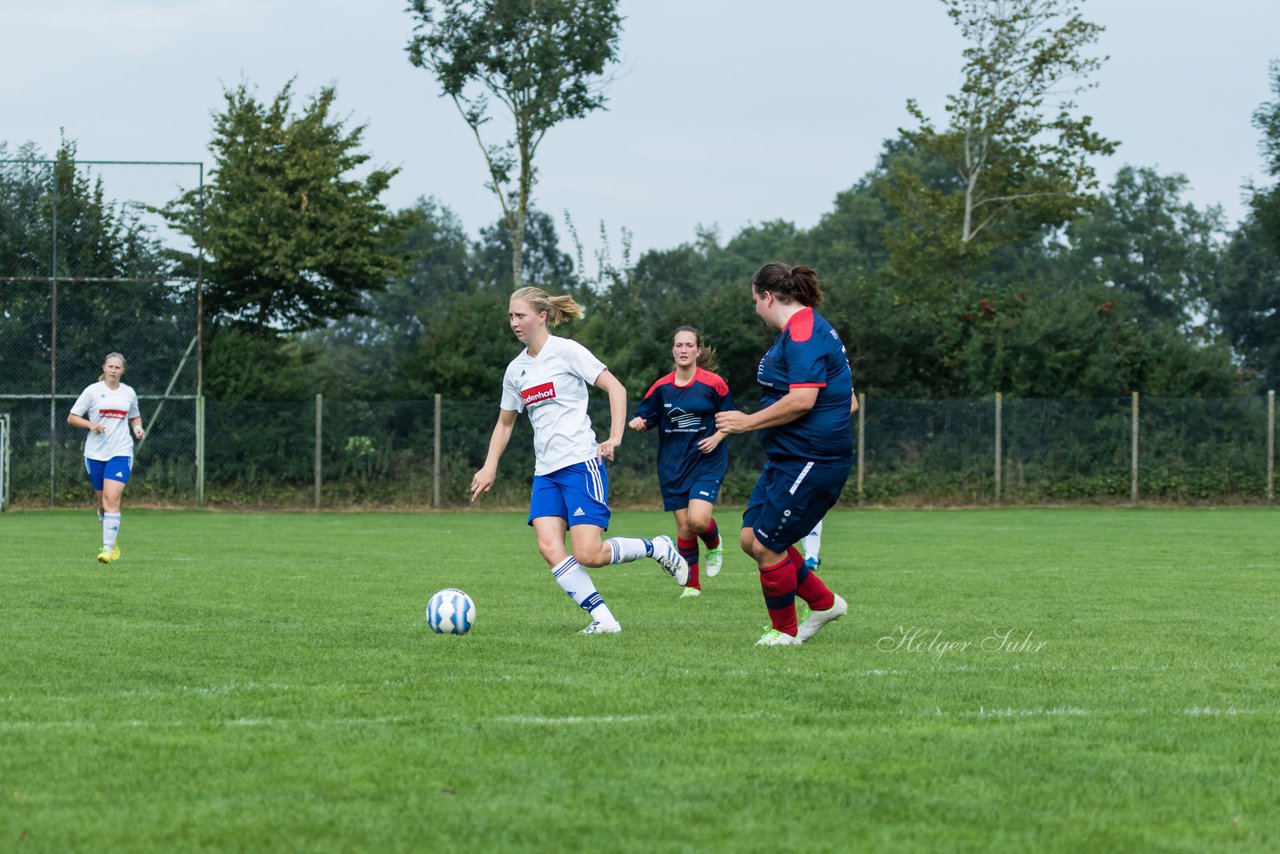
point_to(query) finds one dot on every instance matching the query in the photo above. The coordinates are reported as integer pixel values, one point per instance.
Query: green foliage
(1017, 155)
(541, 60)
(290, 237)
(1248, 296)
(55, 220)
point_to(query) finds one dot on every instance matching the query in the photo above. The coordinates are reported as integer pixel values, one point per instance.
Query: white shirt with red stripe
(553, 388)
(112, 409)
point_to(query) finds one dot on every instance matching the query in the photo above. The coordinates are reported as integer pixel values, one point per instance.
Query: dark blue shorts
(790, 497)
(579, 494)
(702, 490)
(116, 468)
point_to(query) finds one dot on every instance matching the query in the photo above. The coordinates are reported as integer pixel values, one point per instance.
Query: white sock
(110, 530)
(627, 549)
(813, 541)
(574, 581)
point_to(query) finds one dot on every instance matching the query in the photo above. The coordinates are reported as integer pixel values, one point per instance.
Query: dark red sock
(689, 551)
(809, 586)
(711, 536)
(778, 582)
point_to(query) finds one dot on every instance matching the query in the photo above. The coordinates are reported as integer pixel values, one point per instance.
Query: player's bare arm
(786, 409)
(483, 480)
(617, 413)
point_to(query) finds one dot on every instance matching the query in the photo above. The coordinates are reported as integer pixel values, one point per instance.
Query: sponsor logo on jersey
(118, 414)
(538, 393)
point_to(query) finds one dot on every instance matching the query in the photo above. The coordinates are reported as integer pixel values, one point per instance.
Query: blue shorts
(579, 494)
(791, 497)
(702, 490)
(116, 468)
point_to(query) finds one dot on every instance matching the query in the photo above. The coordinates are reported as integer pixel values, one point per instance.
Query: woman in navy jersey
(691, 457)
(108, 409)
(549, 380)
(806, 392)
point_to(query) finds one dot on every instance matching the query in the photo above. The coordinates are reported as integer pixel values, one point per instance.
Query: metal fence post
(999, 441)
(319, 436)
(435, 460)
(1133, 454)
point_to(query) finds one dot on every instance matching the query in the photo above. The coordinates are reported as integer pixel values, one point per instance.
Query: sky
(721, 113)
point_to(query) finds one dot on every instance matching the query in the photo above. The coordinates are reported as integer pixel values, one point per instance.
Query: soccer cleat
(773, 637)
(115, 553)
(715, 560)
(817, 619)
(690, 592)
(812, 563)
(104, 556)
(599, 628)
(669, 558)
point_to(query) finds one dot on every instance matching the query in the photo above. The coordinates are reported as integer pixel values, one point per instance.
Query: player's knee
(595, 555)
(748, 541)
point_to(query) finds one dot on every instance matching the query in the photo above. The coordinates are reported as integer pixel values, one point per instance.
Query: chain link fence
(419, 454)
(87, 267)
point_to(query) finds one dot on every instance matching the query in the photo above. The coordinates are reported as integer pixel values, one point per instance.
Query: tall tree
(1248, 297)
(541, 60)
(1142, 239)
(292, 238)
(1017, 153)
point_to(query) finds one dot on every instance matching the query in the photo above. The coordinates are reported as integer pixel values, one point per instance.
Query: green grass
(267, 682)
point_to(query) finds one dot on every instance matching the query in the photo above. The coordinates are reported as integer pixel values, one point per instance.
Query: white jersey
(553, 388)
(111, 409)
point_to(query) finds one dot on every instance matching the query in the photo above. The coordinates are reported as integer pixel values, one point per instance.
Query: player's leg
(703, 523)
(813, 547)
(585, 488)
(570, 574)
(549, 517)
(112, 493)
(820, 490)
(761, 521)
(687, 545)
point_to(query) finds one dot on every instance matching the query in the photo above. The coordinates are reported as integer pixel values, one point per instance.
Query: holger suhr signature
(1006, 639)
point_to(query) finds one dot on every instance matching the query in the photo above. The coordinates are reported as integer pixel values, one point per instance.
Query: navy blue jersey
(808, 353)
(684, 416)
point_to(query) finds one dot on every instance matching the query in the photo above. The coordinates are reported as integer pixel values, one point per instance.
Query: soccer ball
(451, 612)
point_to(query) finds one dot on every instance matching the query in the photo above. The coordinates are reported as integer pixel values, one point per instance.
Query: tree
(1012, 167)
(55, 218)
(1248, 296)
(1142, 239)
(292, 239)
(542, 60)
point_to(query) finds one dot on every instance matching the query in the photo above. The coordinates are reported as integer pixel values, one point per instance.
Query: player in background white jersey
(549, 380)
(108, 409)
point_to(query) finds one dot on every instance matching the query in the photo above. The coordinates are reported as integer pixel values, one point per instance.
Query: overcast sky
(723, 112)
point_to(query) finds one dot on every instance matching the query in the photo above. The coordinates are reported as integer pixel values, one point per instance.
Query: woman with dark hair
(108, 409)
(691, 457)
(806, 392)
(550, 379)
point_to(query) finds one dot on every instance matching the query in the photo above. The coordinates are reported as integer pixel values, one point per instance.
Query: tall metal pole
(200, 349)
(53, 342)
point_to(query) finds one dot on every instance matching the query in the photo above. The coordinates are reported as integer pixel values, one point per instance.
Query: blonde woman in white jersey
(550, 380)
(108, 409)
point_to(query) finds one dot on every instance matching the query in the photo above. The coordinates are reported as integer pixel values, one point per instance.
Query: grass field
(1010, 680)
